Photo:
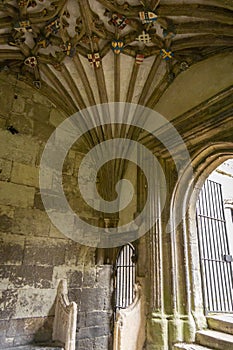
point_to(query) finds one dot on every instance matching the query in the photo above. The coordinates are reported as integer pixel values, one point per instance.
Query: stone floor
(35, 347)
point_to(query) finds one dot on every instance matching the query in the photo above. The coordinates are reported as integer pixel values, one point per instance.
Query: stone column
(169, 314)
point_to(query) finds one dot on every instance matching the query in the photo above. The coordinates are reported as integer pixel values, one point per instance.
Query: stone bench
(130, 324)
(65, 319)
(64, 325)
(35, 347)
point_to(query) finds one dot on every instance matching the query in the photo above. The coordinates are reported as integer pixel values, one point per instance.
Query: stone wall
(34, 255)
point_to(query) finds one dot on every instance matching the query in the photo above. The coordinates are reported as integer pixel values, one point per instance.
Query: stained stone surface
(35, 347)
(34, 255)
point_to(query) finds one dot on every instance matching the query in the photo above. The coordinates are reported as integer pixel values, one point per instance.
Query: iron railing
(125, 277)
(216, 261)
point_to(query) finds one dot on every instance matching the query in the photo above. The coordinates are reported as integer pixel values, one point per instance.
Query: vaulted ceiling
(85, 52)
(169, 55)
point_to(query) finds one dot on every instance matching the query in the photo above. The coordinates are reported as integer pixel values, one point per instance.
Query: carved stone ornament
(69, 35)
(144, 37)
(53, 26)
(23, 26)
(37, 84)
(22, 3)
(31, 62)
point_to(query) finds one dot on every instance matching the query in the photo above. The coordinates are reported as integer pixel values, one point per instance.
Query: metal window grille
(216, 261)
(125, 277)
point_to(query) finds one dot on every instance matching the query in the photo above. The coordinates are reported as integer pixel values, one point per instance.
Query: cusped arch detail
(183, 222)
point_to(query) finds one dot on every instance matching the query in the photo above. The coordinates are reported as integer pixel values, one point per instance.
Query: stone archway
(187, 192)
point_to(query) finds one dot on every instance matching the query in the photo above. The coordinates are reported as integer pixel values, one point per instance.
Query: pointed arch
(183, 224)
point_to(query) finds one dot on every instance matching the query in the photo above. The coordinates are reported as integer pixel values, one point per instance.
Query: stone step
(221, 323)
(185, 346)
(215, 340)
(34, 347)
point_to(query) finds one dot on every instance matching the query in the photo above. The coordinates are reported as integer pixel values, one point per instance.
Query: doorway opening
(214, 214)
(125, 277)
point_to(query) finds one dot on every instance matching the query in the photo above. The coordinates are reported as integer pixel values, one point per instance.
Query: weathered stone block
(31, 222)
(18, 105)
(16, 195)
(25, 174)
(56, 117)
(21, 123)
(103, 343)
(3, 326)
(95, 299)
(48, 322)
(6, 217)
(40, 328)
(26, 276)
(42, 100)
(80, 254)
(23, 340)
(22, 89)
(104, 276)
(89, 277)
(157, 332)
(5, 169)
(5, 342)
(8, 303)
(68, 166)
(70, 185)
(2, 123)
(43, 336)
(55, 233)
(75, 254)
(24, 326)
(39, 155)
(11, 249)
(35, 302)
(62, 272)
(38, 204)
(74, 294)
(81, 319)
(19, 148)
(92, 332)
(6, 97)
(53, 202)
(75, 279)
(38, 112)
(42, 131)
(84, 344)
(98, 318)
(46, 252)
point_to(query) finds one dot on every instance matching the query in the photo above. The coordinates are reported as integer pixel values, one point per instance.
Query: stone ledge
(221, 323)
(35, 347)
(184, 346)
(214, 339)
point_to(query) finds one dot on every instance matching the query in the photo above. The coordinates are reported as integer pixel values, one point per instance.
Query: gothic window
(125, 277)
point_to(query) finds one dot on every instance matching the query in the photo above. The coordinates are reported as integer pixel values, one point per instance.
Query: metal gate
(216, 261)
(125, 277)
